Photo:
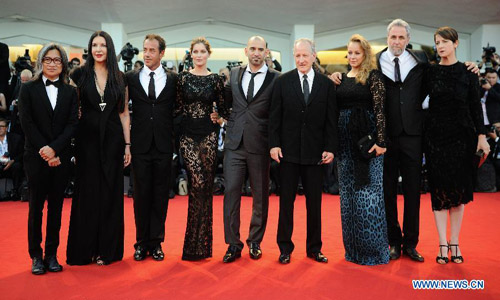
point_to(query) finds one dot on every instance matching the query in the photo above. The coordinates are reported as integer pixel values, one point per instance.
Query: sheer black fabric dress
(198, 147)
(362, 208)
(96, 225)
(452, 125)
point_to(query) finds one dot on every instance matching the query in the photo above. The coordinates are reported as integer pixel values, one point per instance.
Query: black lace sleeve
(179, 104)
(221, 105)
(474, 100)
(377, 90)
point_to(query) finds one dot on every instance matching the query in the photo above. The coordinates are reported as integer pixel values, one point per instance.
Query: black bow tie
(57, 83)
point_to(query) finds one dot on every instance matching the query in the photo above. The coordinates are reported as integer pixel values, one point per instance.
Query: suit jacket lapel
(240, 78)
(267, 81)
(315, 88)
(168, 82)
(45, 98)
(61, 92)
(137, 81)
(297, 87)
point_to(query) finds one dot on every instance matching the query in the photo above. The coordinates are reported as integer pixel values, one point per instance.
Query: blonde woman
(361, 97)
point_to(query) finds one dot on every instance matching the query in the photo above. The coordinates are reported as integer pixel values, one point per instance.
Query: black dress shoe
(284, 258)
(37, 267)
(140, 253)
(319, 257)
(413, 254)
(52, 264)
(232, 254)
(395, 252)
(158, 254)
(255, 252)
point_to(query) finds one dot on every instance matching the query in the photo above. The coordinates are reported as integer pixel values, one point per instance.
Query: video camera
(488, 53)
(23, 62)
(188, 61)
(128, 52)
(234, 63)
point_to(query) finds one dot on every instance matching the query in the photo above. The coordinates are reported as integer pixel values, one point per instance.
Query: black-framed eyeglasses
(48, 60)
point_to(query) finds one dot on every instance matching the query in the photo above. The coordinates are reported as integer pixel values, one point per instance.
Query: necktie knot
(54, 83)
(251, 86)
(152, 74)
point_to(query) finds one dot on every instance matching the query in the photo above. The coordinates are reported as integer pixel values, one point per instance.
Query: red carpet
(262, 279)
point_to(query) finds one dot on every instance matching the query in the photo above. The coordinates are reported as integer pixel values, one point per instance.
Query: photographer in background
(11, 153)
(490, 89)
(494, 140)
(15, 125)
(187, 62)
(4, 68)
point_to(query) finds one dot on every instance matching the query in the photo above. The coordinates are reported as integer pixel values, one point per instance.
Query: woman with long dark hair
(96, 229)
(197, 90)
(454, 132)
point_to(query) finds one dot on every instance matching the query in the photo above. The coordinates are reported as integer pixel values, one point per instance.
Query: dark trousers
(45, 182)
(151, 184)
(236, 164)
(312, 181)
(403, 156)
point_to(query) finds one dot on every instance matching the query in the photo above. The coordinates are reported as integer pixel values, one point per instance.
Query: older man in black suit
(246, 145)
(303, 135)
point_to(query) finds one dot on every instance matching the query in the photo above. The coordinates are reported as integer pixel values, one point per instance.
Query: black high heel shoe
(458, 259)
(442, 260)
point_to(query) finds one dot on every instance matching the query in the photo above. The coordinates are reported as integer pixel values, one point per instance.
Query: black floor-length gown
(96, 224)
(452, 125)
(198, 146)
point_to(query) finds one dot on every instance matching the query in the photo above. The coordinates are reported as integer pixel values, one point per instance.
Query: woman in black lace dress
(361, 97)
(96, 229)
(454, 131)
(197, 91)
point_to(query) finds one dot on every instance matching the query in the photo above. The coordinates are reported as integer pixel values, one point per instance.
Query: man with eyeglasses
(11, 153)
(48, 112)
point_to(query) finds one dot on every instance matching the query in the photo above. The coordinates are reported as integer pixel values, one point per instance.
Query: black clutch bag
(364, 145)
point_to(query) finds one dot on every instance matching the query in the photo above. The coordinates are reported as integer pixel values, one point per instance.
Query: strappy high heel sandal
(442, 260)
(458, 259)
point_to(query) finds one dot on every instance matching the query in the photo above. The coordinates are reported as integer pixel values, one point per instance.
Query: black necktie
(151, 88)
(397, 72)
(251, 87)
(57, 83)
(305, 87)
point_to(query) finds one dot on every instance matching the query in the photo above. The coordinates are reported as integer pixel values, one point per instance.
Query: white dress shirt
(310, 79)
(406, 63)
(4, 146)
(258, 79)
(51, 92)
(160, 79)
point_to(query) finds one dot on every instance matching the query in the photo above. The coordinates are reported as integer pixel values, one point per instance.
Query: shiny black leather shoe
(413, 254)
(51, 264)
(37, 267)
(319, 257)
(158, 254)
(284, 258)
(140, 253)
(255, 251)
(395, 252)
(232, 254)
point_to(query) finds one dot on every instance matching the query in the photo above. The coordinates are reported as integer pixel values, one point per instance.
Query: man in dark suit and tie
(403, 71)
(303, 136)
(152, 90)
(249, 93)
(48, 112)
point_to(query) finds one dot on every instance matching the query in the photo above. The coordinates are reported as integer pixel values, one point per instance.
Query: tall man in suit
(403, 71)
(303, 135)
(246, 147)
(48, 112)
(152, 90)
